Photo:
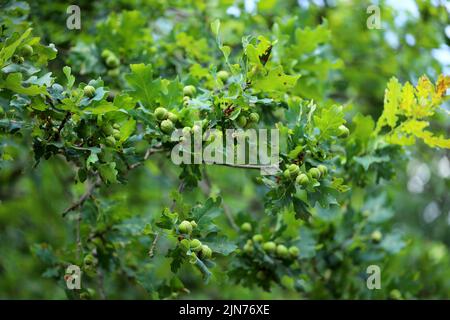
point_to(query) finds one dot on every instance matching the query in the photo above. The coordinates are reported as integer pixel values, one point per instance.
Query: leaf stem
(90, 190)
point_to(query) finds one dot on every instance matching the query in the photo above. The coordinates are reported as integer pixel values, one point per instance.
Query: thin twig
(83, 198)
(148, 153)
(56, 134)
(242, 166)
(63, 123)
(152, 248)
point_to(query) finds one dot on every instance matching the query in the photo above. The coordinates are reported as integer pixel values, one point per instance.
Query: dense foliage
(86, 118)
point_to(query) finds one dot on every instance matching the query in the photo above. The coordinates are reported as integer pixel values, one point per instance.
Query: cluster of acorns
(303, 178)
(112, 133)
(188, 92)
(195, 245)
(24, 52)
(112, 62)
(270, 247)
(167, 120)
(246, 121)
(242, 121)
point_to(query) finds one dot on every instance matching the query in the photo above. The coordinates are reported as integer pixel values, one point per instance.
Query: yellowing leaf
(416, 128)
(435, 141)
(442, 84)
(398, 137)
(408, 100)
(411, 129)
(424, 88)
(391, 102)
(414, 105)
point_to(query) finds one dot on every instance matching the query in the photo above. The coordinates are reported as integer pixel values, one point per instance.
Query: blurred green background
(358, 62)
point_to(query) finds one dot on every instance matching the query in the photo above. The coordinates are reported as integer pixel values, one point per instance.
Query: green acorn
(112, 62)
(193, 224)
(186, 131)
(108, 129)
(161, 113)
(376, 236)
(116, 134)
(185, 227)
(257, 238)
(254, 117)
(106, 53)
(196, 245)
(269, 246)
(185, 243)
(206, 252)
(196, 130)
(110, 141)
(294, 252)
(189, 91)
(246, 227)
(26, 50)
(248, 248)
(314, 173)
(167, 126)
(343, 131)
(302, 179)
(172, 117)
(89, 260)
(287, 174)
(323, 170)
(89, 91)
(223, 75)
(242, 121)
(293, 170)
(282, 251)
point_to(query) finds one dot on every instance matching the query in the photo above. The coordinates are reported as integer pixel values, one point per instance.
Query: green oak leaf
(14, 83)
